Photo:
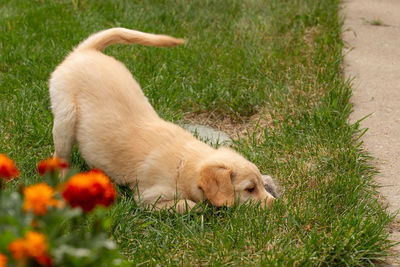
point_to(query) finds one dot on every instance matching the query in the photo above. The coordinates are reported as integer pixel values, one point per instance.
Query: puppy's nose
(267, 202)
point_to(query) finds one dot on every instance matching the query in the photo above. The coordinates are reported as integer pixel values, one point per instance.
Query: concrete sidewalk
(372, 37)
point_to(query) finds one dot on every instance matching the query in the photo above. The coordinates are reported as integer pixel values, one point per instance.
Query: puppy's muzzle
(267, 203)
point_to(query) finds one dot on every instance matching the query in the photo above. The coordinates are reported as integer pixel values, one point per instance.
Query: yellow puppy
(98, 104)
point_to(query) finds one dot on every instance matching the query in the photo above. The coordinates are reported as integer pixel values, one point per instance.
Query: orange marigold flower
(3, 260)
(38, 198)
(86, 190)
(18, 249)
(51, 165)
(34, 245)
(8, 170)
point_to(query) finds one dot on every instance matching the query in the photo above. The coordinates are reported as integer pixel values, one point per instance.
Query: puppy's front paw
(181, 206)
(185, 205)
(271, 186)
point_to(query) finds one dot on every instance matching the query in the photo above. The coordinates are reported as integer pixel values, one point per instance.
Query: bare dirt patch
(233, 127)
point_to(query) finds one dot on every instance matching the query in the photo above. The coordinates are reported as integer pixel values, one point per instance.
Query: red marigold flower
(86, 190)
(44, 260)
(8, 170)
(3, 260)
(38, 198)
(51, 165)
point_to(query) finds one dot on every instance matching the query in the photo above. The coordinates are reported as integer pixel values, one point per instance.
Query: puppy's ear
(215, 181)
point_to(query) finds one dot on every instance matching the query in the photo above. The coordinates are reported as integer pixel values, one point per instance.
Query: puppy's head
(226, 176)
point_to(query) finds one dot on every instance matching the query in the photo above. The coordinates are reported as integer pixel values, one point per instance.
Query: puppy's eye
(250, 189)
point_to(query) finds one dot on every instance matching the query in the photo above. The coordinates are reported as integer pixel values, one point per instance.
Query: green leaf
(6, 238)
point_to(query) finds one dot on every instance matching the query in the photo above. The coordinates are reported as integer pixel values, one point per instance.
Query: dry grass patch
(310, 34)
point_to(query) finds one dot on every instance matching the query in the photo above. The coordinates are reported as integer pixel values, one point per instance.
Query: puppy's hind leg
(65, 117)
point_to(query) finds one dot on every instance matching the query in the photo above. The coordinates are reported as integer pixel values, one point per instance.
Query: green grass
(241, 57)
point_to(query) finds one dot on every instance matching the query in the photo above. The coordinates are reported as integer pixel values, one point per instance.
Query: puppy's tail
(101, 40)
